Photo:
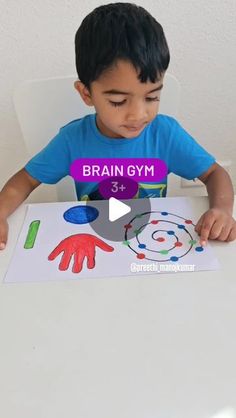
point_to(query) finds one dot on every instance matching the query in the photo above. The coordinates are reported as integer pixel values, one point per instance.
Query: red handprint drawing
(78, 246)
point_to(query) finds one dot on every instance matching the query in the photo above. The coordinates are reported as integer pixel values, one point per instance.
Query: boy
(121, 58)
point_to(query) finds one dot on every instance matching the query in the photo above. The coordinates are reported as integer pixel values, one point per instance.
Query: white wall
(37, 40)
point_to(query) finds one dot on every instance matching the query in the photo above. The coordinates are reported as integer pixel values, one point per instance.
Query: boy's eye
(117, 103)
(149, 99)
(153, 99)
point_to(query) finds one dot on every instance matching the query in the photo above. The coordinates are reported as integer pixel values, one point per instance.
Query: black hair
(120, 31)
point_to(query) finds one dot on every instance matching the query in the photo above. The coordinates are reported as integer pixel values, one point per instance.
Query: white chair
(43, 106)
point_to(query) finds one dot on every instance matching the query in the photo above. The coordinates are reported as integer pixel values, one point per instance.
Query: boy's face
(123, 104)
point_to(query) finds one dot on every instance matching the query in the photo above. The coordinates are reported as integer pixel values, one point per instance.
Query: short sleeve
(52, 163)
(185, 157)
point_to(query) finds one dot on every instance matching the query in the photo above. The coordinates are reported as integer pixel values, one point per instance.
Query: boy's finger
(199, 224)
(232, 234)
(207, 224)
(204, 237)
(216, 230)
(224, 233)
(3, 237)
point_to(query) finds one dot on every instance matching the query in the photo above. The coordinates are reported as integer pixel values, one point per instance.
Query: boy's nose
(136, 114)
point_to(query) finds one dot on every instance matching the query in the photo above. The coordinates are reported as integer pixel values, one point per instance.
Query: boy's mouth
(134, 128)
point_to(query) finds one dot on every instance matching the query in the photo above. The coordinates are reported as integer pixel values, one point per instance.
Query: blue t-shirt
(163, 138)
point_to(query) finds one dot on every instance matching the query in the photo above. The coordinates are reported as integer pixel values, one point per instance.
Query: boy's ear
(84, 92)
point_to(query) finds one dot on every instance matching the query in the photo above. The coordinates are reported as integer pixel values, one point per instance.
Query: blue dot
(181, 226)
(142, 245)
(173, 258)
(80, 214)
(171, 232)
(199, 249)
(164, 213)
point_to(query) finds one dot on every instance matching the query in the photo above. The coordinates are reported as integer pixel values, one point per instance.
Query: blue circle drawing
(81, 214)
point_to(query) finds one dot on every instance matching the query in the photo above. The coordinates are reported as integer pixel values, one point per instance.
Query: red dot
(154, 222)
(160, 239)
(188, 221)
(178, 244)
(128, 226)
(140, 255)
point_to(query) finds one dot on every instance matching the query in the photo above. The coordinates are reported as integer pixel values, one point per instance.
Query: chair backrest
(43, 106)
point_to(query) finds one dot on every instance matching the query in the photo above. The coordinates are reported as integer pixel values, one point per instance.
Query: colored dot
(181, 226)
(126, 242)
(160, 239)
(188, 221)
(139, 216)
(170, 233)
(164, 213)
(178, 244)
(199, 249)
(128, 226)
(192, 242)
(136, 231)
(154, 222)
(164, 252)
(140, 255)
(142, 245)
(173, 258)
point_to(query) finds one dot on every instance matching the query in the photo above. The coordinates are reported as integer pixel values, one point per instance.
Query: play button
(114, 217)
(117, 209)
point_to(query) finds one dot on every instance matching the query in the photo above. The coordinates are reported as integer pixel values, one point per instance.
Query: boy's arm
(15, 191)
(217, 222)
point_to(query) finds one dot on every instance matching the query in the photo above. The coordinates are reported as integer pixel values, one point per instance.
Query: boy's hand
(3, 233)
(216, 224)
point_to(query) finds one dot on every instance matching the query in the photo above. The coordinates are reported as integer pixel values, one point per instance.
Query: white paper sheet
(163, 245)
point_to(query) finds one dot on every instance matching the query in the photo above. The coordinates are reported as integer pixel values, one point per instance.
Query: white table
(142, 347)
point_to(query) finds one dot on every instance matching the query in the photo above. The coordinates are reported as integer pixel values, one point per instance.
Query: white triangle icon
(117, 209)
